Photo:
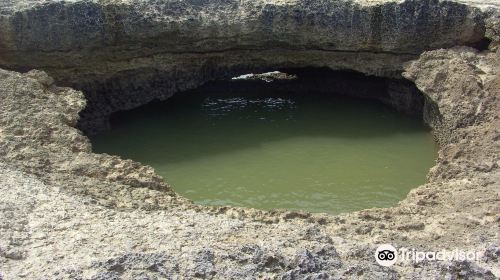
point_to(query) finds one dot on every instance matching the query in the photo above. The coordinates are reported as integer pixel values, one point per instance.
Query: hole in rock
(482, 44)
(300, 139)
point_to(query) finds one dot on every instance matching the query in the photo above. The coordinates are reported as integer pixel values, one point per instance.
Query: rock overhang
(406, 27)
(137, 51)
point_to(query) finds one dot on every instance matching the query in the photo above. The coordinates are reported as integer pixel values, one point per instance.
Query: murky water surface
(307, 152)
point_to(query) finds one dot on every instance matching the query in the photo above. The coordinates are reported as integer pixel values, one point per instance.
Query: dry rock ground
(67, 213)
(70, 214)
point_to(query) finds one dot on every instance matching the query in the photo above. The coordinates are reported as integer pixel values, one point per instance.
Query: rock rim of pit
(69, 213)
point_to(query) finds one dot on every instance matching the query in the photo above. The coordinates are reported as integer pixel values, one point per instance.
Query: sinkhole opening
(301, 139)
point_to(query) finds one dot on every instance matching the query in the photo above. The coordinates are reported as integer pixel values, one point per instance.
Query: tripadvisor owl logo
(386, 255)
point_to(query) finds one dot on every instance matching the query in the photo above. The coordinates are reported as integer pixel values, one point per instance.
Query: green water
(303, 152)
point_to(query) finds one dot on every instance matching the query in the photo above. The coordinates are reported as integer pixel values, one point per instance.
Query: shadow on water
(216, 123)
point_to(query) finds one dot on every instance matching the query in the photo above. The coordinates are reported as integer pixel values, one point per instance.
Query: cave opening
(309, 139)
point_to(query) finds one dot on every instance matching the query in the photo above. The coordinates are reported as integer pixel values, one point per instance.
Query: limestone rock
(67, 213)
(102, 217)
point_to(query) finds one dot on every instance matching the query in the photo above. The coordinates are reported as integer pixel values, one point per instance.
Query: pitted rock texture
(202, 26)
(125, 53)
(67, 213)
(51, 144)
(70, 214)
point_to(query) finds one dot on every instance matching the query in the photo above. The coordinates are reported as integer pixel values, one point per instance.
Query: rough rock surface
(66, 213)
